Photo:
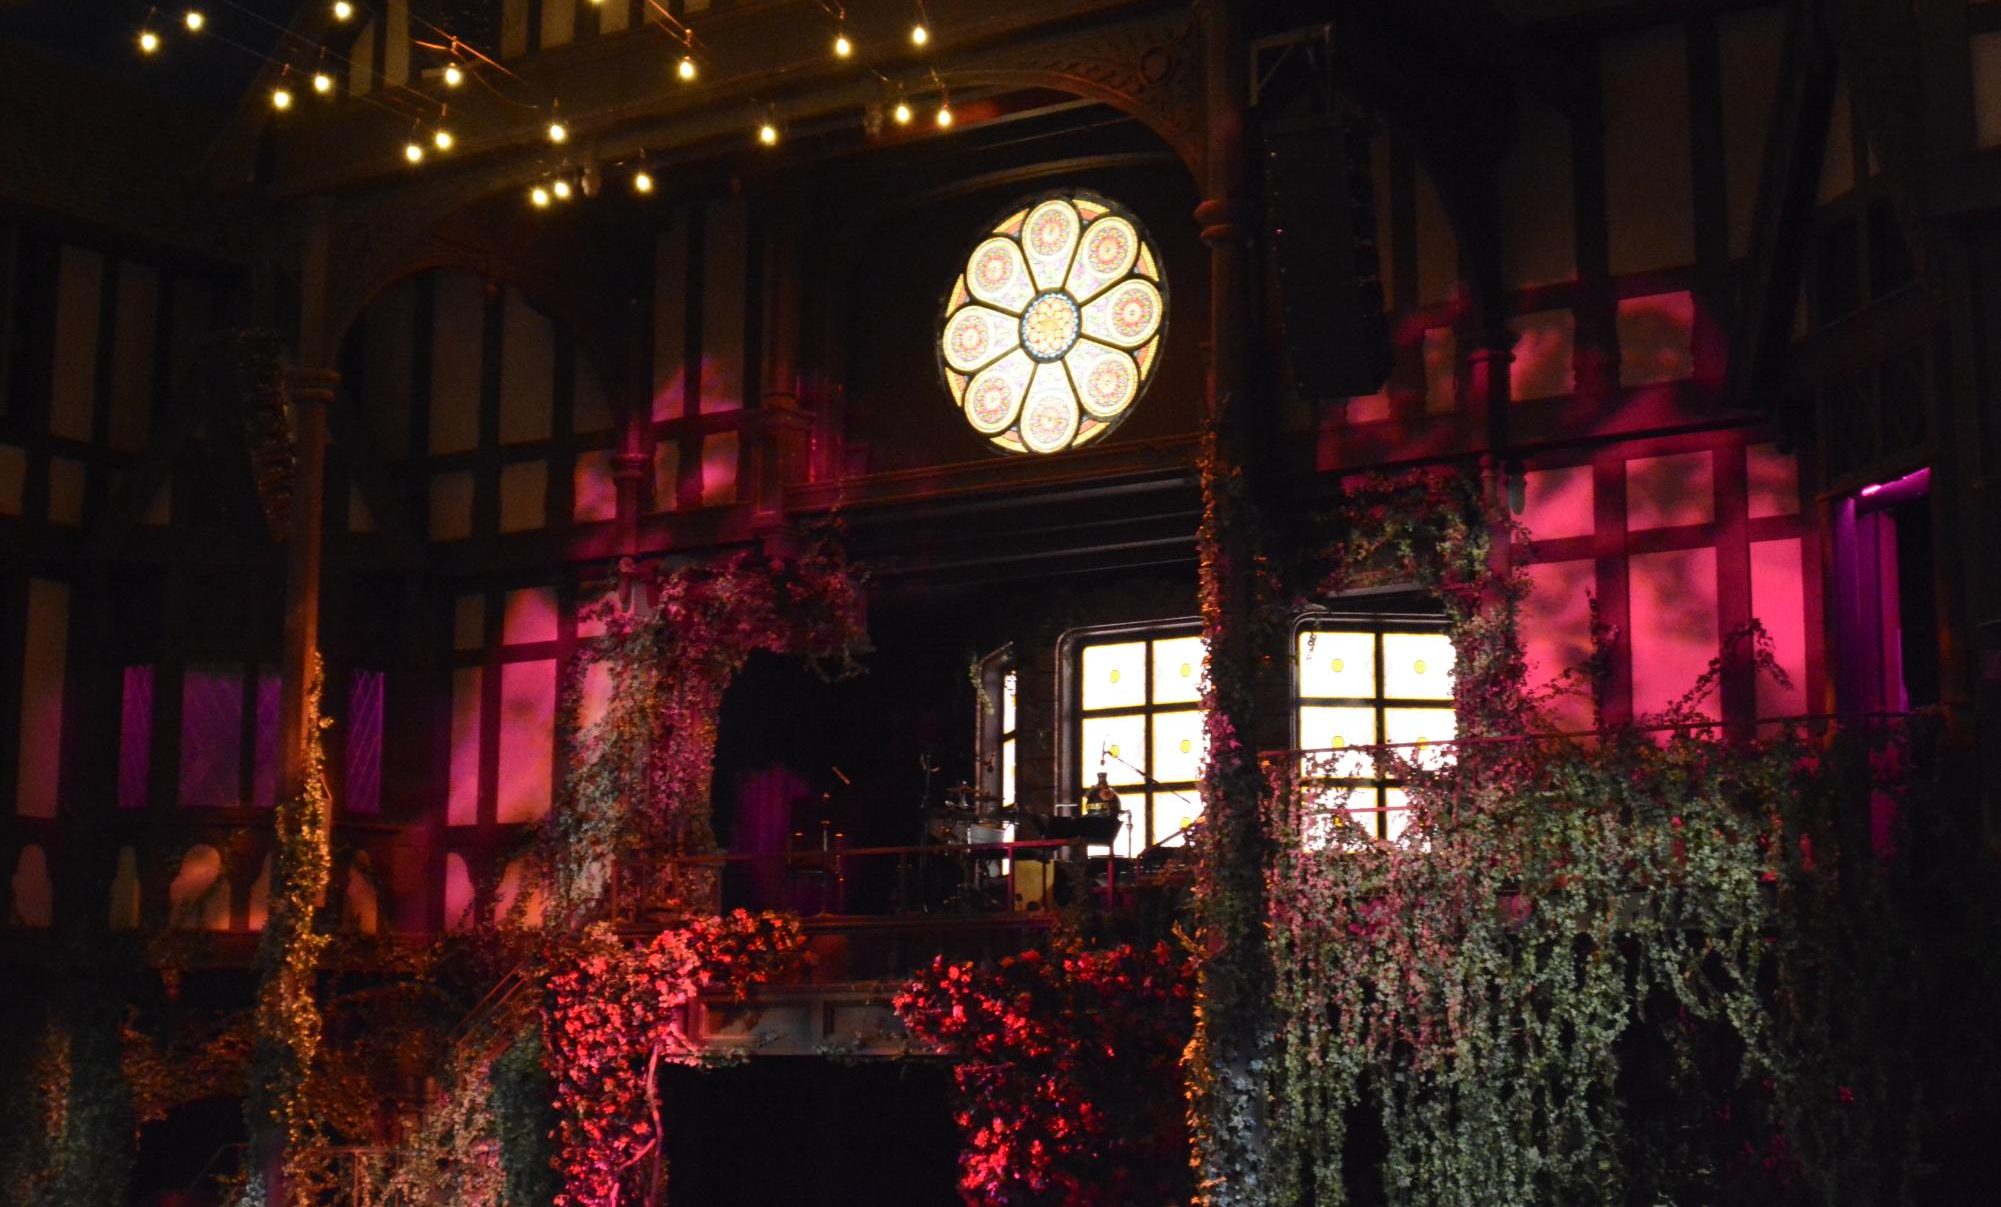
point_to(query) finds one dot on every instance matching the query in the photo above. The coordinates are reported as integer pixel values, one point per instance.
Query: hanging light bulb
(945, 115)
(342, 10)
(443, 139)
(919, 35)
(539, 197)
(767, 133)
(642, 181)
(901, 113)
(322, 83)
(194, 20)
(414, 152)
(281, 98)
(842, 47)
(561, 190)
(149, 42)
(558, 132)
(686, 69)
(454, 75)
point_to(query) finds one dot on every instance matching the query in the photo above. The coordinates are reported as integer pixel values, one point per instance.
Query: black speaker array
(1320, 210)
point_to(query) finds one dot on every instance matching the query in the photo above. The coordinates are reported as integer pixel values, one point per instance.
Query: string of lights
(301, 64)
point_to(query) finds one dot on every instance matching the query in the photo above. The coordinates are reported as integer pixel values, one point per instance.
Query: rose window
(1052, 333)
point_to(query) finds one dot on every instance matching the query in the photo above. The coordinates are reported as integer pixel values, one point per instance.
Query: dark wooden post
(311, 389)
(1236, 980)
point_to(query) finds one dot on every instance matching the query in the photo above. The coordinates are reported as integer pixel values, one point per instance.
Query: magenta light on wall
(364, 744)
(135, 737)
(211, 737)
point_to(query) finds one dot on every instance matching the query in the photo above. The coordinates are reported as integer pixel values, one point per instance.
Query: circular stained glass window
(1051, 334)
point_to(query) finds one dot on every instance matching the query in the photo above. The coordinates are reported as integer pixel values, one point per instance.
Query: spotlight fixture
(842, 47)
(194, 20)
(414, 152)
(901, 113)
(767, 133)
(686, 69)
(322, 83)
(342, 10)
(281, 98)
(443, 139)
(561, 190)
(149, 42)
(919, 35)
(558, 132)
(539, 197)
(454, 75)
(642, 181)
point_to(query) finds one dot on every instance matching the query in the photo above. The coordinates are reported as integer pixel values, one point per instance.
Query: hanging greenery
(642, 770)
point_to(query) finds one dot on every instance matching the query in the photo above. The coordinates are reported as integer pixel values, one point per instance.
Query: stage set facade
(1018, 353)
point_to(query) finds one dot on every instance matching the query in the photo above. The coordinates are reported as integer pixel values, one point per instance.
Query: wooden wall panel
(44, 655)
(1538, 227)
(1674, 625)
(462, 802)
(527, 371)
(73, 376)
(1648, 190)
(1751, 51)
(457, 344)
(135, 356)
(527, 741)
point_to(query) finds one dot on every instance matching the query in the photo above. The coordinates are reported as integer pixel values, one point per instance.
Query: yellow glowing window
(1367, 684)
(1139, 720)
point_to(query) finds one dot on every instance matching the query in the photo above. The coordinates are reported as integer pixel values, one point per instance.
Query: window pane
(1366, 807)
(1337, 664)
(1324, 728)
(1008, 685)
(1114, 676)
(1007, 772)
(1179, 746)
(1171, 812)
(1417, 666)
(1430, 726)
(1177, 670)
(1116, 746)
(1396, 813)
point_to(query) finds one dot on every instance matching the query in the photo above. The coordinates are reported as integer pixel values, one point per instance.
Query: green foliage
(524, 1117)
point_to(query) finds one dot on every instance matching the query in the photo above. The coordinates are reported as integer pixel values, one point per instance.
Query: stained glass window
(1368, 683)
(1052, 332)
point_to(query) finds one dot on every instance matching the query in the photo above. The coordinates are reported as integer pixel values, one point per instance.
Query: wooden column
(1235, 990)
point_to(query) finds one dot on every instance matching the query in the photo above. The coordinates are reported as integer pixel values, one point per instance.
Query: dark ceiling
(212, 68)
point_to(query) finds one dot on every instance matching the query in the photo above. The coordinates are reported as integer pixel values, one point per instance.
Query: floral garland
(282, 1107)
(1068, 1072)
(643, 770)
(614, 1014)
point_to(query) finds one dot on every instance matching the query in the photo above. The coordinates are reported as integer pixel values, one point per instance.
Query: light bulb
(281, 98)
(919, 35)
(686, 68)
(443, 140)
(901, 113)
(195, 20)
(561, 189)
(453, 75)
(322, 83)
(842, 47)
(539, 197)
(944, 117)
(558, 132)
(148, 41)
(342, 10)
(413, 152)
(768, 134)
(642, 182)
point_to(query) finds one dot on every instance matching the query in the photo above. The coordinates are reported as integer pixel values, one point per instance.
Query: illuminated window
(1365, 682)
(1138, 719)
(999, 749)
(1050, 335)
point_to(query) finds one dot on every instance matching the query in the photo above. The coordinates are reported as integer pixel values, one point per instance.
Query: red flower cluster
(614, 1013)
(1069, 1080)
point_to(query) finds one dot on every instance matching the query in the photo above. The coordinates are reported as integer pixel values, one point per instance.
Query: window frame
(1073, 780)
(1379, 623)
